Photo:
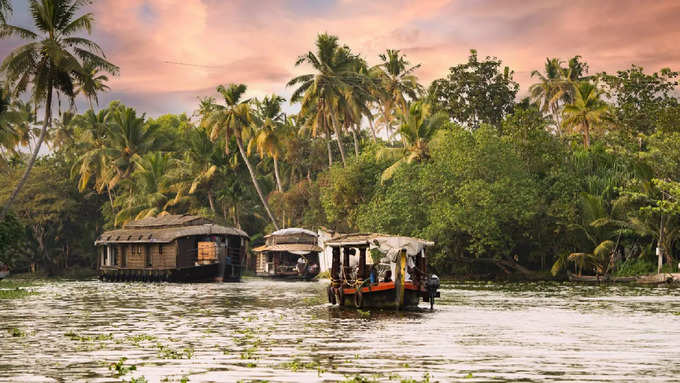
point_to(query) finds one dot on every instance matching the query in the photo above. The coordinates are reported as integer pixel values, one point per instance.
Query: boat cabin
(380, 271)
(177, 248)
(289, 253)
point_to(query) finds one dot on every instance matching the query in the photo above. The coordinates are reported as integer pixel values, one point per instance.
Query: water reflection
(286, 332)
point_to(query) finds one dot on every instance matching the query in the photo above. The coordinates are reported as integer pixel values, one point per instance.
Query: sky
(170, 52)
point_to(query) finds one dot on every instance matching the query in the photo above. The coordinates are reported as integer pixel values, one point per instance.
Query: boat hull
(201, 273)
(381, 296)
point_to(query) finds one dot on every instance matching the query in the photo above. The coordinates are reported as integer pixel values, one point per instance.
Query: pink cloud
(183, 47)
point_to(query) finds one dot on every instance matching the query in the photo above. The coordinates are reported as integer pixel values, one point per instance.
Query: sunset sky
(172, 51)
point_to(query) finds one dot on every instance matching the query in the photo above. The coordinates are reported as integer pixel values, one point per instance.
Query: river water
(261, 330)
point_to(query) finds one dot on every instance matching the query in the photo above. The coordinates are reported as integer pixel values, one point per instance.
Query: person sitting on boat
(301, 265)
(373, 275)
(388, 276)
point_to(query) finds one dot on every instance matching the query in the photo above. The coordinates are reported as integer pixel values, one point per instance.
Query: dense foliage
(582, 175)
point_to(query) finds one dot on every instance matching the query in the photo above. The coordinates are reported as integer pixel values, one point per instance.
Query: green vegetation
(16, 333)
(584, 175)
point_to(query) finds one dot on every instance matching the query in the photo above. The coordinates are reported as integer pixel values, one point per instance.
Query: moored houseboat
(380, 271)
(173, 248)
(290, 253)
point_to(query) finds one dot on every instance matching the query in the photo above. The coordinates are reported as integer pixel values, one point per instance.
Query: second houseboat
(290, 253)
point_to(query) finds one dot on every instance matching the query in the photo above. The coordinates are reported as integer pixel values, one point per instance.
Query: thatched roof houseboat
(289, 253)
(177, 248)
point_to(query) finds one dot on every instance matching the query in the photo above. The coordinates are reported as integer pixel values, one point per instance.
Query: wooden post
(362, 264)
(345, 262)
(335, 265)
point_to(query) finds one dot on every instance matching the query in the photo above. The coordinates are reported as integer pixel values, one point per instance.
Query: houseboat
(380, 271)
(289, 253)
(173, 248)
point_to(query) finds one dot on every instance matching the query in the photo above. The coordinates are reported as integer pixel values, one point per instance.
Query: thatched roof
(165, 229)
(168, 220)
(288, 247)
(292, 235)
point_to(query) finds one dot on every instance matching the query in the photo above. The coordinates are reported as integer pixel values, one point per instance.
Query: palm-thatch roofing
(165, 229)
(290, 239)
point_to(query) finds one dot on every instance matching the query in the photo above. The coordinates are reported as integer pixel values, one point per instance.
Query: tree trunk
(370, 123)
(338, 138)
(237, 219)
(330, 152)
(586, 135)
(108, 191)
(660, 246)
(211, 201)
(257, 186)
(276, 173)
(356, 143)
(31, 162)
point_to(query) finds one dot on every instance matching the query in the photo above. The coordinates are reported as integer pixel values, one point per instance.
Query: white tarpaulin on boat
(391, 245)
(293, 231)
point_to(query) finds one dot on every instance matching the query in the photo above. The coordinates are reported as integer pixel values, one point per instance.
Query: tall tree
(476, 92)
(417, 128)
(5, 10)
(396, 82)
(267, 139)
(234, 119)
(197, 169)
(91, 82)
(322, 91)
(550, 89)
(587, 112)
(51, 61)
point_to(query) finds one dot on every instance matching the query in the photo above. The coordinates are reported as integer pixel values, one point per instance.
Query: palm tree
(128, 138)
(197, 168)
(550, 89)
(600, 223)
(9, 136)
(91, 82)
(147, 189)
(268, 137)
(91, 132)
(396, 81)
(5, 9)
(322, 91)
(235, 119)
(51, 61)
(587, 112)
(416, 130)
(314, 120)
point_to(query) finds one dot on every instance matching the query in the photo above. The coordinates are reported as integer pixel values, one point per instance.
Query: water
(262, 330)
